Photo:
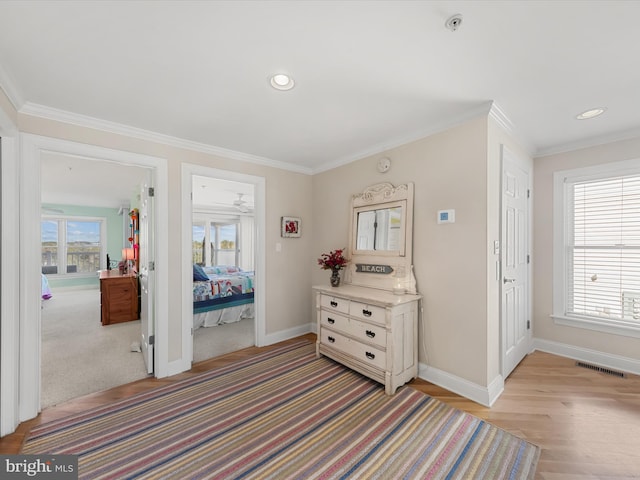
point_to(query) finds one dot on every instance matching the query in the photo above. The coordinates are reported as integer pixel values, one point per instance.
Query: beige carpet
(79, 355)
(209, 342)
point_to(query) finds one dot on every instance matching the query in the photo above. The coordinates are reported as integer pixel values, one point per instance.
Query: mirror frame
(401, 278)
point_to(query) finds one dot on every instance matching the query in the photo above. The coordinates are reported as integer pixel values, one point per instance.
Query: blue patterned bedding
(225, 287)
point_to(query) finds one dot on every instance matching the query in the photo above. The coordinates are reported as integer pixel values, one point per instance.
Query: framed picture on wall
(291, 227)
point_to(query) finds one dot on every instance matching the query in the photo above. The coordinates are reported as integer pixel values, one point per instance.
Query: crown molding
(8, 86)
(446, 124)
(63, 116)
(501, 118)
(589, 142)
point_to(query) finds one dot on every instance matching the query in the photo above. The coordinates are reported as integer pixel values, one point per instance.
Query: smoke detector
(454, 22)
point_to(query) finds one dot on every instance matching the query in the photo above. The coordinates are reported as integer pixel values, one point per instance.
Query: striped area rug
(283, 414)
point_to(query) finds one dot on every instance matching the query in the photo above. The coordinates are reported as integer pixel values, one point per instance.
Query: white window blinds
(603, 249)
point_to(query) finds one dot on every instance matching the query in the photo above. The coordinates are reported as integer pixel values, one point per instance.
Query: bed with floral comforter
(221, 294)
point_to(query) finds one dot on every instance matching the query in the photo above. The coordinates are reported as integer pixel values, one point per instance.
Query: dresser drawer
(334, 321)
(334, 303)
(367, 312)
(362, 331)
(364, 353)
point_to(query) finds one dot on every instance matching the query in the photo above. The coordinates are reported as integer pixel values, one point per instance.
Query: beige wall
(287, 273)
(454, 264)
(449, 170)
(544, 326)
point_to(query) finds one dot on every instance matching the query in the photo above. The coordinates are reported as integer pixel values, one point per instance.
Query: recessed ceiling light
(594, 112)
(282, 81)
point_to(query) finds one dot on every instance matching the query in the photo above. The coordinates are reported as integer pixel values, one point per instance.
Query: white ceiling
(70, 180)
(369, 74)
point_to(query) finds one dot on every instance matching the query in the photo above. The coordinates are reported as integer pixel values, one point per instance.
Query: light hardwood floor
(587, 423)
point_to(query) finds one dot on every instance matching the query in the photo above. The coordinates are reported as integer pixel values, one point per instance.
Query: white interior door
(147, 273)
(516, 326)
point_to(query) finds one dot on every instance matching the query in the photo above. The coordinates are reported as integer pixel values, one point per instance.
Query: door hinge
(528, 324)
(152, 266)
(528, 193)
(528, 258)
(151, 191)
(152, 339)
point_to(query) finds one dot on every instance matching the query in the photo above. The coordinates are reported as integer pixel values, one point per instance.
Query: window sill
(615, 327)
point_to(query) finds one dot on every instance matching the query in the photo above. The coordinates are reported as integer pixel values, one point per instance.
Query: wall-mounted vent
(600, 369)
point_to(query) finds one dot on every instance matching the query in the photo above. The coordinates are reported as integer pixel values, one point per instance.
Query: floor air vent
(597, 368)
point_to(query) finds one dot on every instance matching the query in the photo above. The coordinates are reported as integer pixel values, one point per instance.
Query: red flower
(333, 260)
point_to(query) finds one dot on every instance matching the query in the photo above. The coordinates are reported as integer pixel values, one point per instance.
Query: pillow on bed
(222, 269)
(198, 274)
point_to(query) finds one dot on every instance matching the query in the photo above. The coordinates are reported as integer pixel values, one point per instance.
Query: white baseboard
(614, 362)
(283, 335)
(483, 395)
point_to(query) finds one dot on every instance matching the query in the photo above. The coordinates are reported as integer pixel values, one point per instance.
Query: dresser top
(115, 273)
(367, 295)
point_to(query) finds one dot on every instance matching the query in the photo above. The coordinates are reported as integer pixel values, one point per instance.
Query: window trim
(62, 244)
(560, 255)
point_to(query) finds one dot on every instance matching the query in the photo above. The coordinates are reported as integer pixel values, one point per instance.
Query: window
(597, 248)
(225, 243)
(199, 243)
(72, 245)
(215, 243)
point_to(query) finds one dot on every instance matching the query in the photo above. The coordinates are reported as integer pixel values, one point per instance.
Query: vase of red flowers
(334, 261)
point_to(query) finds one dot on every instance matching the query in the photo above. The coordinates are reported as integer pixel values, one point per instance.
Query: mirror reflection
(379, 229)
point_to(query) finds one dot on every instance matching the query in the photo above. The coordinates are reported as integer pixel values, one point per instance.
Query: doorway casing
(29, 356)
(10, 271)
(188, 171)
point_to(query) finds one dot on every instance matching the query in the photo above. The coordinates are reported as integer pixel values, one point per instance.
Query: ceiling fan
(240, 204)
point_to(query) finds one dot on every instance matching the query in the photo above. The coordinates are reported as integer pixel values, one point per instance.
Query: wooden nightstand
(118, 297)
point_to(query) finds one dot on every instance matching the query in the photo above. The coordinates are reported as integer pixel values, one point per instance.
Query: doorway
(515, 311)
(223, 247)
(86, 205)
(34, 147)
(248, 216)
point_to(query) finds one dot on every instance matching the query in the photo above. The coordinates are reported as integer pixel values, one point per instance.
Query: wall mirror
(380, 238)
(380, 230)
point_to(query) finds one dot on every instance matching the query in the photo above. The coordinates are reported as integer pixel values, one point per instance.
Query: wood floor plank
(587, 423)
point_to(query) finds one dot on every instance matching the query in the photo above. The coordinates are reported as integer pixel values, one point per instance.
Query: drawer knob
(366, 313)
(334, 303)
(370, 334)
(331, 320)
(331, 339)
(370, 355)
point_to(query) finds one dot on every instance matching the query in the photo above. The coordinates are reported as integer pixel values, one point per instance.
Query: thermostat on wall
(446, 216)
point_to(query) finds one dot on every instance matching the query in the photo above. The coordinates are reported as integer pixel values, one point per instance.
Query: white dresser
(371, 331)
